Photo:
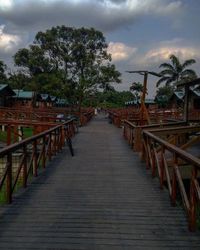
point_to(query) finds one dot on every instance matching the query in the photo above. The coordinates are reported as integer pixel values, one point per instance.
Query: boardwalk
(102, 198)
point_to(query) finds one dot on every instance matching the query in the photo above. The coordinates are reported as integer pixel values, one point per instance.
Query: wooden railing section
(14, 128)
(163, 147)
(133, 133)
(45, 115)
(167, 160)
(156, 116)
(34, 153)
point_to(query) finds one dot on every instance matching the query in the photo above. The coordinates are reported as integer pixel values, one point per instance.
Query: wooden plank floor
(102, 198)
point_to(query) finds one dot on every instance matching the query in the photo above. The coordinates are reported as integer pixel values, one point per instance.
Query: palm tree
(137, 89)
(174, 73)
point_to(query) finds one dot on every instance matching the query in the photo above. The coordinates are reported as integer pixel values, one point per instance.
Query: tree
(163, 95)
(75, 58)
(174, 73)
(110, 98)
(137, 89)
(3, 77)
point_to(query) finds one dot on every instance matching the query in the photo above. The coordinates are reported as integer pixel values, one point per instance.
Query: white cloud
(8, 42)
(6, 4)
(161, 7)
(120, 51)
(163, 53)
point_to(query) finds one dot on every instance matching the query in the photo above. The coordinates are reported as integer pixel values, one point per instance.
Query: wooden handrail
(151, 142)
(179, 152)
(133, 132)
(41, 147)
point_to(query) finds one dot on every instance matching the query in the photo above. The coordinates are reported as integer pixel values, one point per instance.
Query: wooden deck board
(102, 198)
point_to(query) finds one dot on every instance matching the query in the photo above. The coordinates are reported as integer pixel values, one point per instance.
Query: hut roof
(5, 90)
(21, 94)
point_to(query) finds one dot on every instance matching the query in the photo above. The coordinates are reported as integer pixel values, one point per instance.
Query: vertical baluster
(25, 166)
(153, 165)
(9, 134)
(162, 172)
(61, 132)
(50, 147)
(174, 182)
(43, 151)
(35, 158)
(9, 178)
(55, 142)
(193, 201)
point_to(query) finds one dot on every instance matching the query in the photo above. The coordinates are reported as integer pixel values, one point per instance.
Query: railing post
(148, 160)
(59, 139)
(124, 130)
(25, 167)
(43, 152)
(9, 134)
(55, 142)
(162, 173)
(50, 147)
(62, 136)
(143, 151)
(153, 166)
(192, 212)
(35, 158)
(9, 179)
(137, 139)
(15, 133)
(174, 182)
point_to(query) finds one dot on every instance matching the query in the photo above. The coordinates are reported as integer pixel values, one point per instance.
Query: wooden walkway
(102, 198)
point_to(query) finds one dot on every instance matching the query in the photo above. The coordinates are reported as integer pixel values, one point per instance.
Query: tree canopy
(3, 77)
(73, 61)
(163, 95)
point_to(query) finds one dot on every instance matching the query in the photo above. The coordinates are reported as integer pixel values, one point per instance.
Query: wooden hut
(44, 101)
(177, 99)
(194, 98)
(6, 94)
(23, 98)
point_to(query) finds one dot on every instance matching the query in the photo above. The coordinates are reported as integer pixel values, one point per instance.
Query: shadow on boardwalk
(102, 198)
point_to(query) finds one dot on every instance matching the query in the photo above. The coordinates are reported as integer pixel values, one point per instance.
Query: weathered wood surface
(102, 198)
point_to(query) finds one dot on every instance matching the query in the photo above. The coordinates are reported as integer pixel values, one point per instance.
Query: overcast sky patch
(142, 33)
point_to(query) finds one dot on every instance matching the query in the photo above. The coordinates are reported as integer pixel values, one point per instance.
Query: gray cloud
(100, 14)
(24, 18)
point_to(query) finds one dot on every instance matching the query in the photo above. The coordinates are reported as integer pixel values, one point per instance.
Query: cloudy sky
(141, 33)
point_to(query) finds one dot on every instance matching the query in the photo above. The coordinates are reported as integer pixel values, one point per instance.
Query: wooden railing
(156, 152)
(133, 133)
(45, 115)
(85, 117)
(14, 128)
(156, 116)
(34, 153)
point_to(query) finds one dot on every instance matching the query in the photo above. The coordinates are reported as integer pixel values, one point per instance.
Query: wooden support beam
(186, 104)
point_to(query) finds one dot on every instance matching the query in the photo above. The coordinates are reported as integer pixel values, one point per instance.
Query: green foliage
(70, 61)
(174, 73)
(27, 132)
(3, 77)
(137, 89)
(163, 94)
(18, 80)
(108, 99)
